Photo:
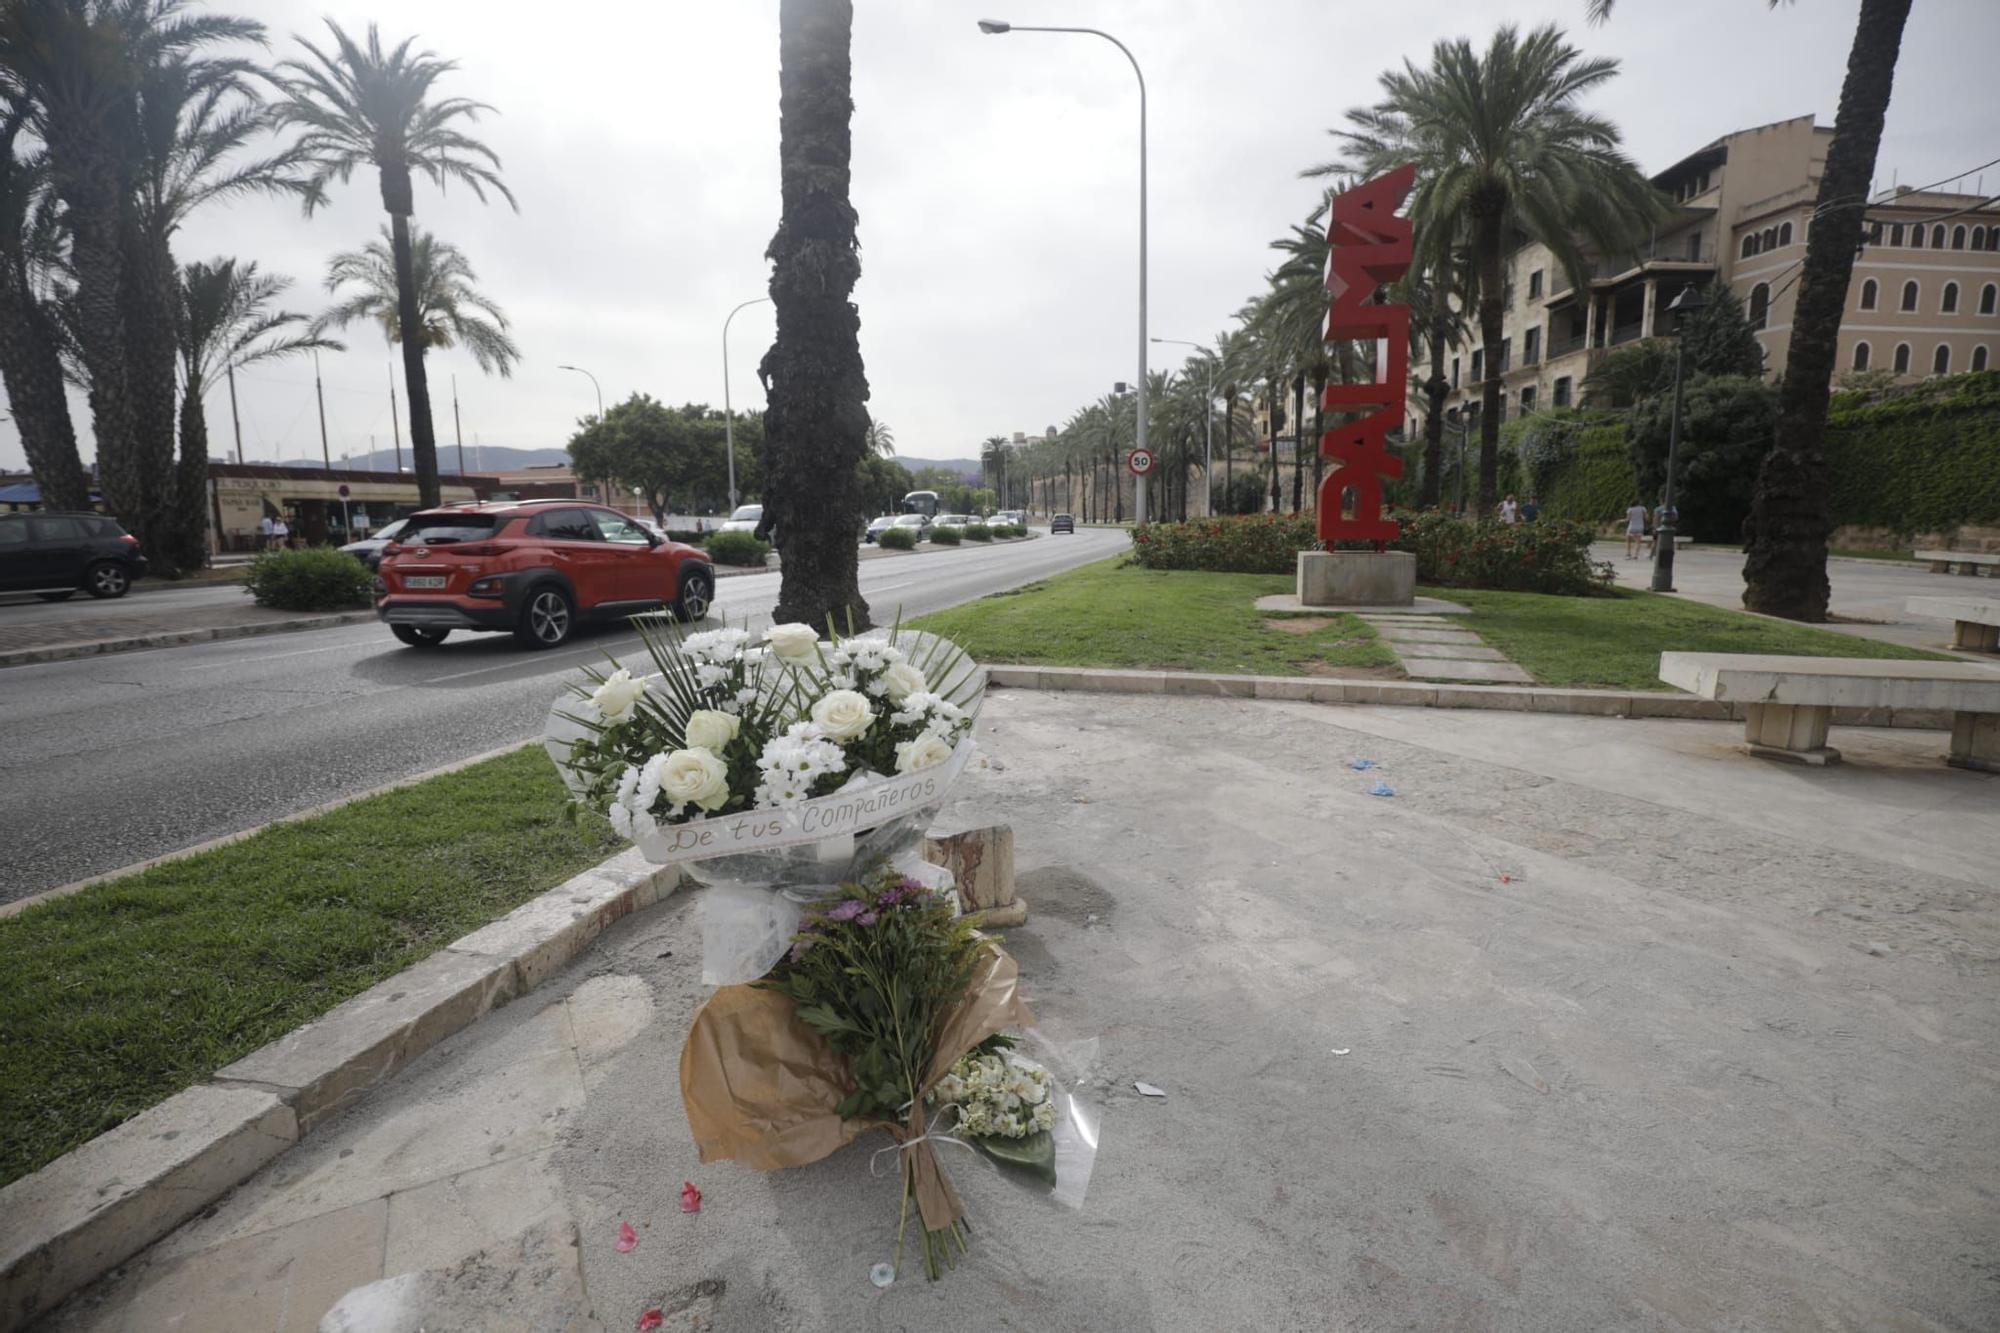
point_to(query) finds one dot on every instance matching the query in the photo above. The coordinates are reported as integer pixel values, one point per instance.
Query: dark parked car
(53, 555)
(369, 549)
(1063, 523)
(875, 527)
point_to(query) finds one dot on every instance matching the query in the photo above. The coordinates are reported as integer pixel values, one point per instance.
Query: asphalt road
(111, 760)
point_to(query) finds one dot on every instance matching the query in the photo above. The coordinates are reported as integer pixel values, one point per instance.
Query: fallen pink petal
(690, 1197)
(627, 1238)
(651, 1319)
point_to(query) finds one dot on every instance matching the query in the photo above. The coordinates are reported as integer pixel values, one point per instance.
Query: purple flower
(865, 919)
(911, 885)
(848, 910)
(888, 897)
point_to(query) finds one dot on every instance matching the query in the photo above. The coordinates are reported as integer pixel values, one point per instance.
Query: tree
(884, 483)
(223, 322)
(362, 106)
(640, 443)
(1791, 516)
(31, 334)
(450, 310)
(1726, 423)
(881, 439)
(1502, 151)
(1715, 340)
(816, 413)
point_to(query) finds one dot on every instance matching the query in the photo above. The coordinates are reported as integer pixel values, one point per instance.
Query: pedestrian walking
(1510, 511)
(281, 534)
(1635, 529)
(264, 530)
(1530, 510)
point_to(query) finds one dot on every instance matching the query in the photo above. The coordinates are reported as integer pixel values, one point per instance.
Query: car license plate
(424, 581)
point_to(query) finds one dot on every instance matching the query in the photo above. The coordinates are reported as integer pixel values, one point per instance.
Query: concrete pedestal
(1357, 578)
(1789, 731)
(1975, 742)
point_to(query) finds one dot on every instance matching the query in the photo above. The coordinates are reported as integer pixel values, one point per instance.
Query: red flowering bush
(1227, 543)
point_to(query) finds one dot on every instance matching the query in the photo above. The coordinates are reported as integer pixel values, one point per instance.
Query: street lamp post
(729, 414)
(593, 384)
(995, 27)
(1462, 418)
(1683, 308)
(1208, 423)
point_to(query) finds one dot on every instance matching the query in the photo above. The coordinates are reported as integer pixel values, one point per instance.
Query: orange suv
(536, 567)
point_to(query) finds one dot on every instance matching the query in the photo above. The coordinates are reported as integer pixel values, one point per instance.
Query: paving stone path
(1431, 647)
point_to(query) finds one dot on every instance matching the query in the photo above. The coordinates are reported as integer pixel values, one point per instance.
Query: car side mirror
(652, 538)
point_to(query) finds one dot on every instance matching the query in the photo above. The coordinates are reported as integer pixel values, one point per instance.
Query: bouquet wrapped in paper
(774, 767)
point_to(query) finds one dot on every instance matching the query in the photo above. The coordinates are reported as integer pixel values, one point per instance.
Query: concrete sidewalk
(55, 640)
(1596, 1023)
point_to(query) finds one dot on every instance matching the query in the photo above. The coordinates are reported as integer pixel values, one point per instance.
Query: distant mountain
(485, 458)
(967, 468)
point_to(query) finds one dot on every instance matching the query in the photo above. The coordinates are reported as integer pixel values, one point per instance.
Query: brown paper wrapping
(761, 1087)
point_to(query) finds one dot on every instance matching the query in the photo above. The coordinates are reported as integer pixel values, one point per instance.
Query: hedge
(944, 536)
(980, 532)
(737, 548)
(1926, 459)
(897, 539)
(319, 578)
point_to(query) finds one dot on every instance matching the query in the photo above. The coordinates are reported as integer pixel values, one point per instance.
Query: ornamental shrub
(318, 578)
(1548, 555)
(945, 536)
(1727, 424)
(897, 539)
(980, 532)
(738, 548)
(1231, 544)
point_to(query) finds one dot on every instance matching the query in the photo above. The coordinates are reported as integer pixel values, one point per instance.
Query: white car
(953, 520)
(744, 519)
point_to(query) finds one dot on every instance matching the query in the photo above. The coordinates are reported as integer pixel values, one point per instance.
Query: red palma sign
(1368, 246)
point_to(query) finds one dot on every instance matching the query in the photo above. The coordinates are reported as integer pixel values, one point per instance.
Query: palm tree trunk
(1319, 426)
(1228, 446)
(191, 478)
(1487, 218)
(1791, 514)
(150, 289)
(817, 416)
(99, 263)
(1298, 442)
(1435, 390)
(416, 384)
(1273, 395)
(33, 376)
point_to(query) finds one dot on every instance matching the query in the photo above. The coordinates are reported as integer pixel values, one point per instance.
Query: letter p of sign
(1368, 246)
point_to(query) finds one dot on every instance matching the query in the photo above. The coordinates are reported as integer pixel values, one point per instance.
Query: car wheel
(56, 596)
(697, 594)
(546, 619)
(419, 636)
(108, 578)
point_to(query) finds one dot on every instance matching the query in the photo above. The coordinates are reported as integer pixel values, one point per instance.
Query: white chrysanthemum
(709, 676)
(617, 696)
(648, 789)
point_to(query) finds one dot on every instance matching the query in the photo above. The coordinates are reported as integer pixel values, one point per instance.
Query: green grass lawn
(1616, 641)
(120, 995)
(1105, 616)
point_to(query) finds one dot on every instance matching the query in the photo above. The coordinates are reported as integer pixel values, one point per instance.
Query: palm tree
(881, 438)
(816, 413)
(224, 321)
(31, 334)
(1435, 326)
(1502, 150)
(993, 464)
(361, 106)
(104, 85)
(1791, 512)
(450, 310)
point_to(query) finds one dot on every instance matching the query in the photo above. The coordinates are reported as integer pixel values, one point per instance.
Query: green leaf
(1034, 1155)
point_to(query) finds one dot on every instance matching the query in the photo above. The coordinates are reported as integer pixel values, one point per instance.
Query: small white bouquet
(1003, 1104)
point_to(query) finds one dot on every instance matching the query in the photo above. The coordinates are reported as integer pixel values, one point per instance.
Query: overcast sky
(996, 180)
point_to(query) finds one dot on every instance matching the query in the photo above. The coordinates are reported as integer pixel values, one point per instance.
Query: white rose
(902, 680)
(708, 729)
(922, 752)
(615, 698)
(843, 715)
(695, 777)
(792, 643)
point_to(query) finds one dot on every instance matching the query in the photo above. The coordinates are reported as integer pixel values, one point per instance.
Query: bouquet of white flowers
(779, 762)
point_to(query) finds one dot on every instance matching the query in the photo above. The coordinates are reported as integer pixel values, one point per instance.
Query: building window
(1910, 295)
(1979, 238)
(1562, 386)
(1531, 347)
(1760, 304)
(1868, 294)
(1958, 237)
(1534, 284)
(1874, 233)
(1861, 356)
(1950, 304)
(1902, 358)
(1917, 236)
(1785, 234)
(1749, 246)
(1454, 372)
(1941, 360)
(1769, 240)
(1527, 400)
(1979, 357)
(1895, 233)
(1478, 362)
(1987, 294)
(1694, 247)
(1937, 237)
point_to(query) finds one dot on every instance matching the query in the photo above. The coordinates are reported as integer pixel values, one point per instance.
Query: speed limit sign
(1140, 461)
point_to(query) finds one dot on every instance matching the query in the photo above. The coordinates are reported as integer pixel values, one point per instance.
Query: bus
(921, 502)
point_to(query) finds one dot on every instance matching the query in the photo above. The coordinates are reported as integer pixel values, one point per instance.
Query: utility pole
(235, 422)
(394, 424)
(319, 392)
(457, 430)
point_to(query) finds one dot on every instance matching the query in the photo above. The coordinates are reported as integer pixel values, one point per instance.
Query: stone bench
(1790, 700)
(1975, 620)
(1968, 562)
